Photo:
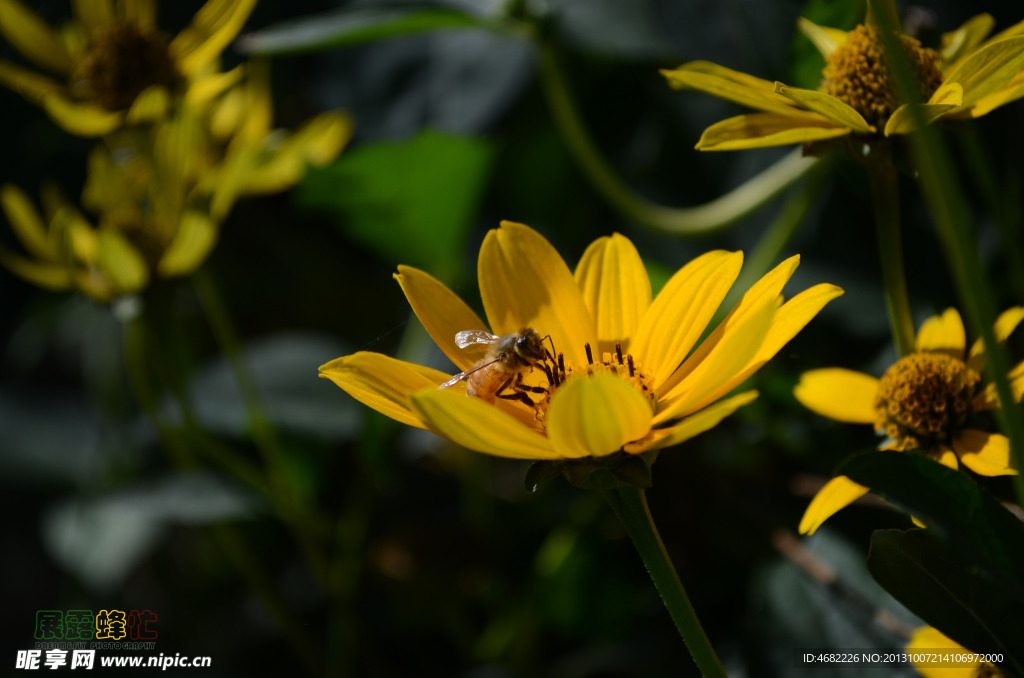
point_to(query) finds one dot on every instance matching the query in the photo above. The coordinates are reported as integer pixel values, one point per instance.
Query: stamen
(590, 355)
(632, 370)
(618, 351)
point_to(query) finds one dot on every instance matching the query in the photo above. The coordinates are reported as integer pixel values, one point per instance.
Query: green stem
(885, 194)
(630, 505)
(685, 221)
(290, 507)
(142, 358)
(952, 217)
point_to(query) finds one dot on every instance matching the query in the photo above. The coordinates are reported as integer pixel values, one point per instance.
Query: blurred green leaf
(351, 27)
(954, 507)
(411, 201)
(930, 579)
(806, 61)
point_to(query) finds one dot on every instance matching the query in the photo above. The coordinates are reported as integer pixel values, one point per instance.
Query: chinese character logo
(110, 625)
(79, 625)
(139, 625)
(49, 625)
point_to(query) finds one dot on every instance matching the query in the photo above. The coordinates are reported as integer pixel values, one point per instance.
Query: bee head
(529, 345)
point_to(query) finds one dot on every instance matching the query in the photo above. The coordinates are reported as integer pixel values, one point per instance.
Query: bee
(499, 374)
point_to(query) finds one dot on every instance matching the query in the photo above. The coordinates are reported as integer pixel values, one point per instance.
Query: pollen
(923, 399)
(620, 364)
(857, 74)
(120, 62)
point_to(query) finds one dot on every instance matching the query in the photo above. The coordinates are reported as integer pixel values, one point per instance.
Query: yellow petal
(31, 36)
(227, 113)
(986, 399)
(926, 640)
(595, 416)
(616, 289)
(760, 130)
(826, 39)
(475, 425)
(956, 44)
(989, 69)
(843, 395)
(987, 454)
(84, 120)
(120, 261)
(212, 29)
(140, 12)
(150, 105)
(1011, 92)
(764, 291)
(28, 84)
(837, 494)
(946, 99)
(525, 283)
(383, 383)
(94, 15)
(790, 319)
(730, 90)
(726, 360)
(207, 87)
(84, 242)
(682, 310)
(943, 334)
(944, 456)
(1011, 32)
(441, 311)
(695, 424)
(196, 236)
(1004, 326)
(766, 87)
(47, 276)
(830, 107)
(321, 139)
(26, 222)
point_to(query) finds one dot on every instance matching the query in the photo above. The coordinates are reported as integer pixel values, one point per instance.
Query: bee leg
(520, 386)
(520, 396)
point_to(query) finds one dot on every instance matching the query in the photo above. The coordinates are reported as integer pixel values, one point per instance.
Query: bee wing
(468, 338)
(462, 375)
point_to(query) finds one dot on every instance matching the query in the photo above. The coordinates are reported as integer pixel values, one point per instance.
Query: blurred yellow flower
(117, 66)
(630, 382)
(159, 194)
(967, 78)
(922, 402)
(927, 639)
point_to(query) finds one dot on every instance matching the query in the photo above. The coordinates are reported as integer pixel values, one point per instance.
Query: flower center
(857, 74)
(120, 62)
(923, 399)
(619, 364)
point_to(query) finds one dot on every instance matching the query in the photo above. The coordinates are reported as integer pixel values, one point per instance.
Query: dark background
(447, 565)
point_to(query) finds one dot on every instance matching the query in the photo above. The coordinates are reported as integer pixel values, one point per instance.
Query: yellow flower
(655, 395)
(923, 401)
(159, 205)
(968, 78)
(927, 639)
(116, 65)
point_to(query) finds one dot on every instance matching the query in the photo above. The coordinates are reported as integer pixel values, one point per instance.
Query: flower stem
(290, 507)
(685, 221)
(630, 505)
(885, 194)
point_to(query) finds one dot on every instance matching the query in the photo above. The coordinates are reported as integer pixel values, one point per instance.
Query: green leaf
(951, 504)
(935, 584)
(412, 202)
(540, 471)
(351, 27)
(806, 61)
